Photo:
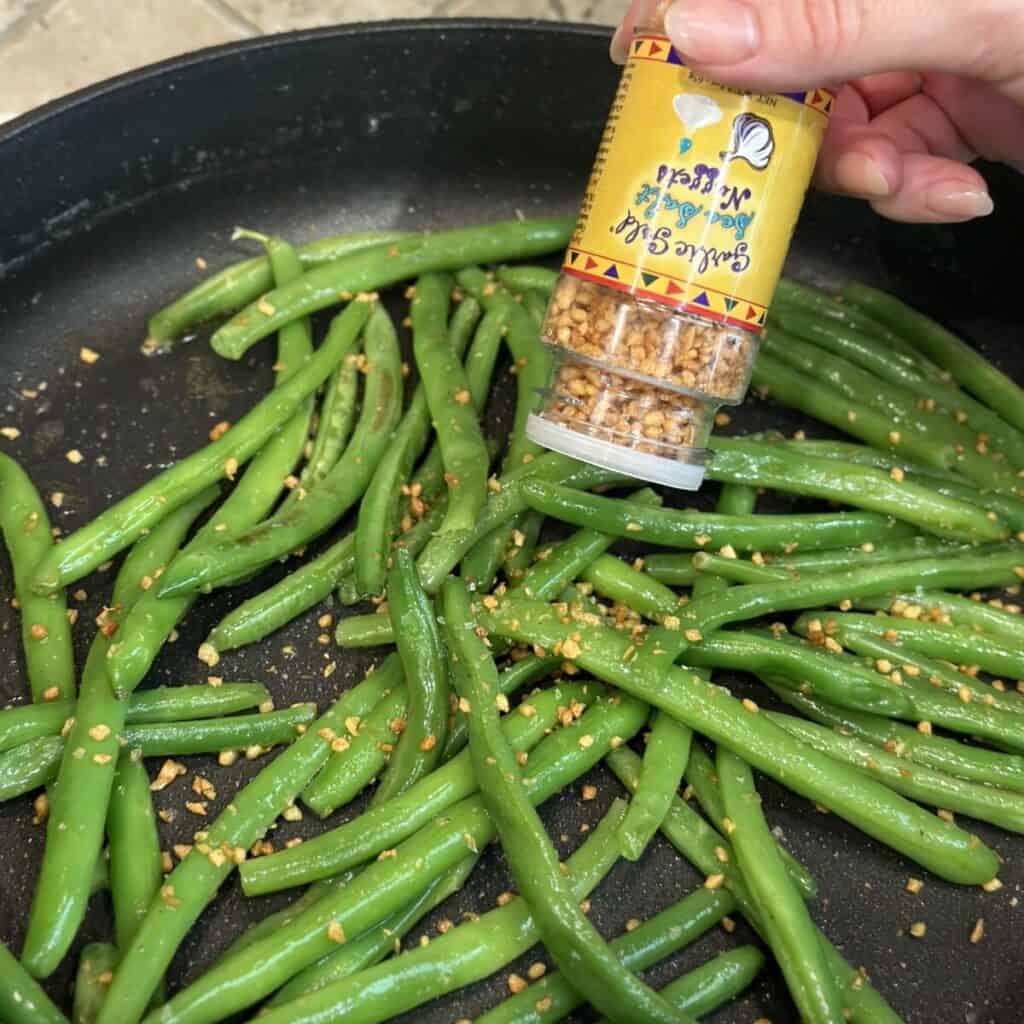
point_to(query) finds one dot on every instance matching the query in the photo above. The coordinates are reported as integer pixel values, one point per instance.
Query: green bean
(932, 391)
(351, 769)
(704, 779)
(863, 455)
(295, 342)
(101, 875)
(764, 465)
(22, 1001)
(32, 721)
(275, 921)
(700, 844)
(241, 283)
(800, 391)
(334, 425)
(349, 593)
(371, 630)
(671, 569)
(525, 278)
(614, 579)
(185, 703)
(457, 958)
(536, 304)
(162, 704)
(525, 672)
(669, 743)
(135, 869)
(900, 404)
(665, 759)
(937, 845)
(95, 968)
(980, 567)
(483, 560)
(449, 400)
(792, 295)
(941, 677)
(737, 499)
(520, 556)
(78, 809)
(668, 931)
(214, 735)
(45, 630)
(429, 474)
(932, 694)
(385, 825)
(547, 577)
(715, 983)
(684, 529)
(925, 785)
(960, 645)
(220, 562)
(377, 268)
(736, 570)
(847, 683)
(150, 622)
(357, 760)
(783, 914)
(968, 366)
(951, 485)
(442, 555)
(532, 368)
(29, 766)
(36, 763)
(820, 561)
(374, 945)
(378, 509)
(532, 361)
(127, 520)
(306, 587)
(425, 661)
(571, 939)
(984, 616)
(387, 885)
(194, 882)
(973, 763)
(278, 605)
(482, 356)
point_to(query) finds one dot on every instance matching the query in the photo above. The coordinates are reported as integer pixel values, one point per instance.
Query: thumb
(793, 44)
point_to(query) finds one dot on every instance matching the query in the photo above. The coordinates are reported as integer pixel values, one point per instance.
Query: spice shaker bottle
(655, 319)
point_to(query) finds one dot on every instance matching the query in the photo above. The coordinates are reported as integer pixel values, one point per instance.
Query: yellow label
(696, 189)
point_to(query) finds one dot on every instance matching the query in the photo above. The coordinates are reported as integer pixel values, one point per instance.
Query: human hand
(924, 86)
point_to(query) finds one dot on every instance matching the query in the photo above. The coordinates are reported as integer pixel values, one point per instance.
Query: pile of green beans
(858, 611)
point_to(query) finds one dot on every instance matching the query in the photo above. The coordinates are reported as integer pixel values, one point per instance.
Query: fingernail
(860, 175)
(619, 49)
(954, 202)
(716, 32)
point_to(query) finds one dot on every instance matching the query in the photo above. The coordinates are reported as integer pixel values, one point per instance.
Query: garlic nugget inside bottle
(664, 291)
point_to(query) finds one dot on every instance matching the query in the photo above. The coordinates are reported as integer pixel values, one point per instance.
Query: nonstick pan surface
(109, 197)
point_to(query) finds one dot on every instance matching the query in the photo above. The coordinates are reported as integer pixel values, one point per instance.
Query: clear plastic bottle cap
(683, 475)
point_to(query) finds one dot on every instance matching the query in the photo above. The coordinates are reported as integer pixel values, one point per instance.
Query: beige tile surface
(51, 47)
(73, 43)
(597, 12)
(10, 11)
(281, 15)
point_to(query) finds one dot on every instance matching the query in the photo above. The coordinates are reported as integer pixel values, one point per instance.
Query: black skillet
(108, 198)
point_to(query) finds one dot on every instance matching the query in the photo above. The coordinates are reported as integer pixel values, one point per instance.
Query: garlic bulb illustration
(696, 111)
(752, 141)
